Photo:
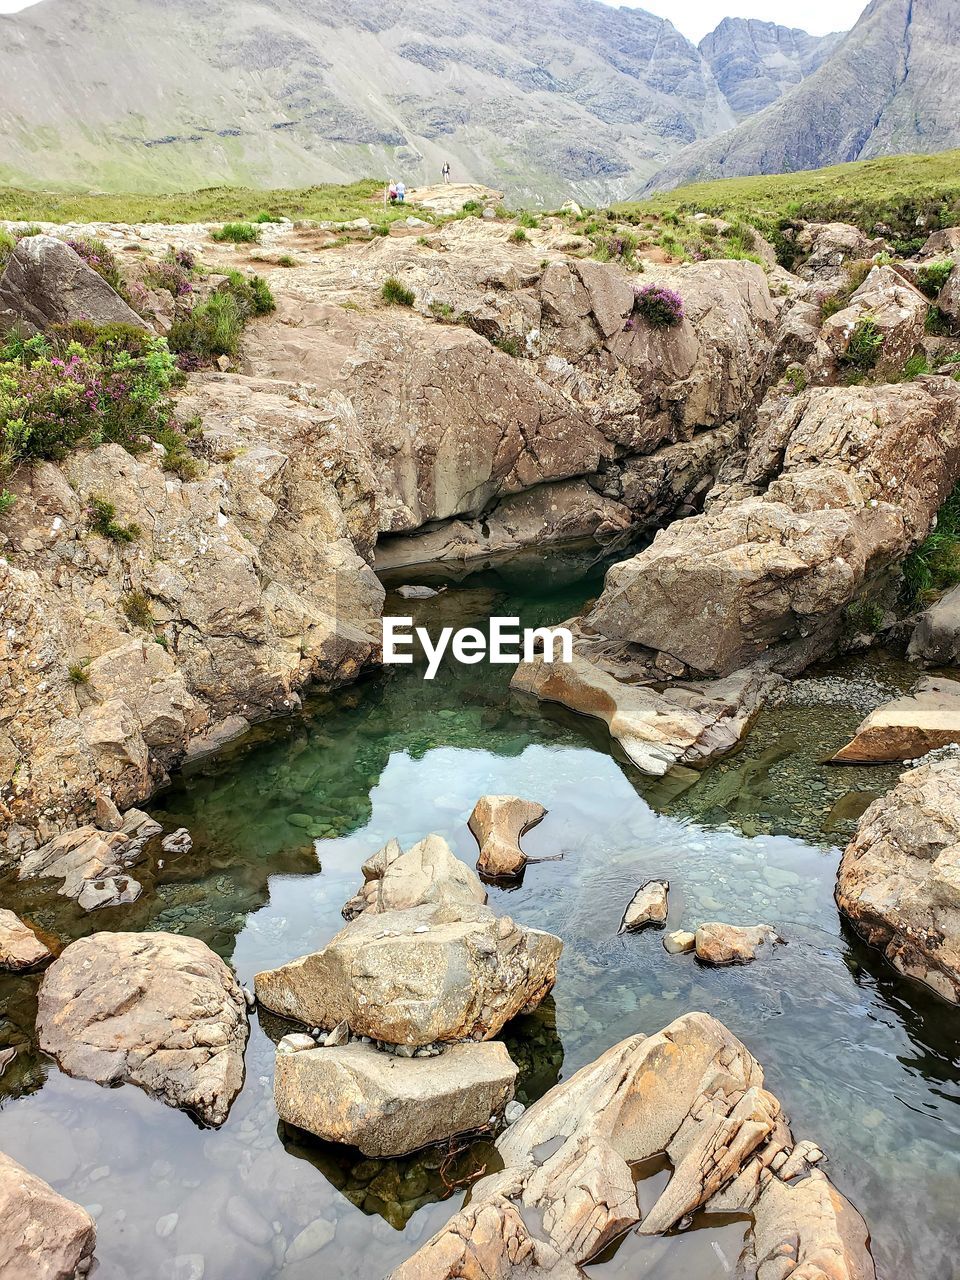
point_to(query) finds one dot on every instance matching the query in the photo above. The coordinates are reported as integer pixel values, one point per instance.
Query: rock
(513, 1111)
(84, 859)
(497, 823)
(907, 727)
(722, 944)
(896, 309)
(113, 891)
(412, 977)
(156, 1010)
(571, 206)
(296, 1042)
(179, 841)
(830, 245)
(389, 1106)
(941, 243)
(43, 1236)
(338, 1036)
(311, 1240)
(6, 1057)
(948, 300)
(679, 942)
(567, 1188)
(416, 593)
(899, 878)
(936, 637)
(427, 873)
(20, 948)
(47, 283)
(648, 906)
(108, 816)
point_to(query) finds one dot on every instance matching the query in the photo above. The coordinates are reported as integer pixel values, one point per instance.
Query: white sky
(696, 17)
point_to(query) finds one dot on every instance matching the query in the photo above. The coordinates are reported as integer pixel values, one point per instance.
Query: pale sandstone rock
(387, 1105)
(43, 1236)
(691, 1091)
(948, 299)
(829, 245)
(722, 944)
(908, 727)
(20, 948)
(418, 975)
(679, 942)
(157, 1010)
(899, 879)
(896, 308)
(427, 873)
(497, 823)
(92, 863)
(648, 906)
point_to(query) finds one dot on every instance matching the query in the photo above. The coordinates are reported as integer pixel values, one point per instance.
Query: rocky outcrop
(567, 1187)
(647, 906)
(46, 282)
(387, 1105)
(828, 246)
(897, 314)
(427, 874)
(93, 864)
(20, 948)
(43, 1236)
(723, 944)
(156, 1010)
(907, 727)
(497, 823)
(899, 879)
(936, 637)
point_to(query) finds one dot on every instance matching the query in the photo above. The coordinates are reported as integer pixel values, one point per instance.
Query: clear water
(865, 1063)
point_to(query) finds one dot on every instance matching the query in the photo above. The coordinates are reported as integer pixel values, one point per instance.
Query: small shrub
(441, 310)
(473, 207)
(101, 259)
(266, 217)
(865, 345)
(396, 294)
(213, 328)
(78, 673)
(7, 499)
(657, 305)
(915, 367)
(518, 236)
(934, 566)
(101, 519)
(7, 246)
(287, 260)
(932, 278)
(797, 379)
(252, 292)
(938, 324)
(529, 220)
(237, 233)
(136, 608)
(510, 345)
(169, 277)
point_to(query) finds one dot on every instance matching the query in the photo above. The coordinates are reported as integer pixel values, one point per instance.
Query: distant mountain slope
(755, 62)
(890, 86)
(547, 97)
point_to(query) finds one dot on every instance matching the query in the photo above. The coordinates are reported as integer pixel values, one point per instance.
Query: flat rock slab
(20, 948)
(722, 944)
(497, 823)
(388, 1105)
(648, 906)
(427, 873)
(43, 1236)
(416, 976)
(908, 727)
(156, 1010)
(92, 861)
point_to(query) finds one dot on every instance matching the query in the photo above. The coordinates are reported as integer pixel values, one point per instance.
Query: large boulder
(43, 1236)
(722, 944)
(497, 823)
(46, 283)
(419, 975)
(899, 879)
(830, 245)
(427, 873)
(156, 1010)
(936, 637)
(567, 1188)
(907, 727)
(20, 948)
(896, 312)
(388, 1105)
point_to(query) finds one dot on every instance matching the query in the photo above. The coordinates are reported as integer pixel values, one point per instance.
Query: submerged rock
(567, 1189)
(156, 1010)
(899, 879)
(907, 727)
(390, 1106)
(722, 944)
(427, 873)
(43, 1236)
(497, 823)
(20, 948)
(92, 863)
(648, 906)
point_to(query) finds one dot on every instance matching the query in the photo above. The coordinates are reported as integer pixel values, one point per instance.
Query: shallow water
(865, 1063)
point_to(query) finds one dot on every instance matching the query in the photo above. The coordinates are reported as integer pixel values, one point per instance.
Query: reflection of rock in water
(24, 1072)
(395, 1189)
(534, 1044)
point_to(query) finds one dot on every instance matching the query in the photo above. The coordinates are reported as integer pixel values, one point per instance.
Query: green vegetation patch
(397, 294)
(934, 566)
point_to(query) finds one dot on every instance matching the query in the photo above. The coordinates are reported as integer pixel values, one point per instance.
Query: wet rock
(156, 1010)
(497, 823)
(936, 637)
(85, 859)
(112, 891)
(567, 1188)
(899, 879)
(648, 906)
(907, 727)
(390, 1106)
(722, 944)
(424, 974)
(679, 942)
(311, 1240)
(416, 593)
(427, 873)
(179, 841)
(43, 1236)
(20, 948)
(296, 1042)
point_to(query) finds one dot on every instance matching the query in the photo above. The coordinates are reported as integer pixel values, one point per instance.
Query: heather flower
(657, 305)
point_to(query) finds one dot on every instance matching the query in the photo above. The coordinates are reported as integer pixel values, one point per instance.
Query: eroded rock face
(419, 975)
(156, 1010)
(908, 727)
(829, 245)
(20, 948)
(497, 823)
(388, 1105)
(567, 1189)
(428, 873)
(43, 1236)
(899, 880)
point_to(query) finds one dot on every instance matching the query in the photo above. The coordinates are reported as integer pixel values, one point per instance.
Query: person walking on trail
(401, 192)
(392, 192)
(446, 170)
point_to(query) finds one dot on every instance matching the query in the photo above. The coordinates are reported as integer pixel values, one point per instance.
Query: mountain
(548, 98)
(888, 87)
(755, 63)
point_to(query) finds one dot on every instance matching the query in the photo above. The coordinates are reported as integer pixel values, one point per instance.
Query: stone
(936, 637)
(899, 878)
(908, 727)
(111, 891)
(648, 906)
(47, 283)
(389, 1106)
(497, 823)
(20, 948)
(179, 841)
(419, 975)
(91, 863)
(679, 942)
(896, 309)
(314, 1237)
(156, 1010)
(567, 1189)
(43, 1236)
(427, 873)
(296, 1042)
(723, 944)
(338, 1036)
